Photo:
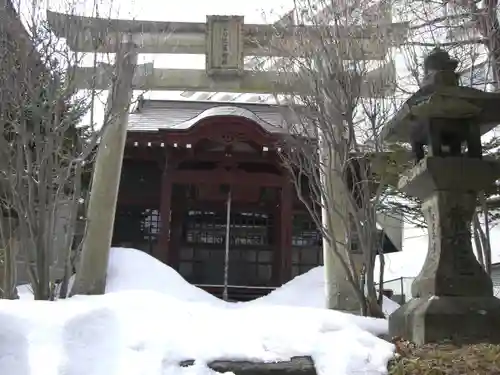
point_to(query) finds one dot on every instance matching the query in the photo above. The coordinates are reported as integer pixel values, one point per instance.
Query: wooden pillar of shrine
(178, 209)
(162, 249)
(282, 269)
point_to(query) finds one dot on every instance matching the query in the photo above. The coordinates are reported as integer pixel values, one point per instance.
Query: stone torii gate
(225, 41)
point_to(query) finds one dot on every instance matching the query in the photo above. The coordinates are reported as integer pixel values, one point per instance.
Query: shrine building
(181, 160)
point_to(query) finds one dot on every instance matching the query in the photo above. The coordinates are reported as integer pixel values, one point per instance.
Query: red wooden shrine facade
(172, 203)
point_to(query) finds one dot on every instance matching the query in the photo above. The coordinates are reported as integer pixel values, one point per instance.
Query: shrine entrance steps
(237, 293)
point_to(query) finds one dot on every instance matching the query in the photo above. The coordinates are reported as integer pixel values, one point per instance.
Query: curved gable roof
(155, 115)
(228, 111)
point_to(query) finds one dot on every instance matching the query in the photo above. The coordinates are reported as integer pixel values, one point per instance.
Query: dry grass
(445, 359)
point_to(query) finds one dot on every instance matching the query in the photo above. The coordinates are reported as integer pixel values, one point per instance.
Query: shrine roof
(155, 115)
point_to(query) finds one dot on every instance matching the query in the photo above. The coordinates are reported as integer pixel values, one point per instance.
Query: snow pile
(25, 291)
(389, 306)
(141, 332)
(149, 322)
(130, 269)
(308, 290)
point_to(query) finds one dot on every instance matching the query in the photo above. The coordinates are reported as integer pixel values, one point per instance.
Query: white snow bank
(308, 290)
(151, 319)
(389, 306)
(131, 269)
(148, 333)
(25, 291)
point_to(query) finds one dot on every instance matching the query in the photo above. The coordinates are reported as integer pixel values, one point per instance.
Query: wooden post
(226, 252)
(162, 250)
(286, 222)
(174, 240)
(276, 266)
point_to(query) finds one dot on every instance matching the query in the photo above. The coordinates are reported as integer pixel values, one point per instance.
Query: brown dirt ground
(445, 359)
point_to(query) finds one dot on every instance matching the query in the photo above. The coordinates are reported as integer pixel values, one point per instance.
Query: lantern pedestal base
(461, 319)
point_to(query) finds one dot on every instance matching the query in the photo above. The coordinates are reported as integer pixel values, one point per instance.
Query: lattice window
(305, 233)
(202, 256)
(306, 244)
(246, 229)
(136, 227)
(205, 227)
(251, 229)
(151, 223)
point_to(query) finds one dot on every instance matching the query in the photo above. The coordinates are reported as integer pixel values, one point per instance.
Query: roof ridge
(175, 115)
(214, 103)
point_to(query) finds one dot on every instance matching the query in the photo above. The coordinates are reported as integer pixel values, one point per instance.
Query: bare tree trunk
(372, 300)
(476, 227)
(9, 270)
(362, 286)
(68, 246)
(482, 237)
(381, 256)
(484, 248)
(486, 20)
(485, 236)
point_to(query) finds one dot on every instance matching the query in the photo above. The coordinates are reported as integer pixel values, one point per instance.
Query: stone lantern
(453, 295)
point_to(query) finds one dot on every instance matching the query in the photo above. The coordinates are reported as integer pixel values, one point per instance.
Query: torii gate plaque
(224, 43)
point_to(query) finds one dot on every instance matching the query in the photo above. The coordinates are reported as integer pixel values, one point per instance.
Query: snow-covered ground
(150, 319)
(307, 290)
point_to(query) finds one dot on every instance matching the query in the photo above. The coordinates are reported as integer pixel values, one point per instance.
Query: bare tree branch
(334, 135)
(45, 152)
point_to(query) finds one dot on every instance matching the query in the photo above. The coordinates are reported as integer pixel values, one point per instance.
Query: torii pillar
(93, 264)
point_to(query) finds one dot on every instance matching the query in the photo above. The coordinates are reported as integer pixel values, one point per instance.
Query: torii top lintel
(82, 33)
